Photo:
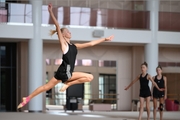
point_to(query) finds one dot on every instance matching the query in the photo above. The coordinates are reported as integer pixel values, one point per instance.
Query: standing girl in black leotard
(161, 81)
(145, 92)
(65, 72)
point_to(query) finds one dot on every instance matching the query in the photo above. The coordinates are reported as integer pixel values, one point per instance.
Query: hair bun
(159, 66)
(145, 63)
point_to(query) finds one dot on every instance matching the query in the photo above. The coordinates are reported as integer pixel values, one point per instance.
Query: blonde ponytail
(52, 32)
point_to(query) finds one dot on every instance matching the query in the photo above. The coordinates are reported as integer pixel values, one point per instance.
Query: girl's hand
(50, 7)
(161, 89)
(151, 97)
(109, 38)
(126, 88)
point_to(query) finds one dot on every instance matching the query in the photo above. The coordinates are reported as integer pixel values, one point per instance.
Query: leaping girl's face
(143, 68)
(66, 33)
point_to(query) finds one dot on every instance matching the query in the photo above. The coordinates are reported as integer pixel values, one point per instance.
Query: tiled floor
(78, 115)
(55, 113)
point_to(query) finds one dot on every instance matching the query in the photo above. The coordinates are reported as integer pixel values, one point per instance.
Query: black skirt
(145, 93)
(63, 73)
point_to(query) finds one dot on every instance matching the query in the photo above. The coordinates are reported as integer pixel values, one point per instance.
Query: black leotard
(65, 70)
(156, 92)
(144, 87)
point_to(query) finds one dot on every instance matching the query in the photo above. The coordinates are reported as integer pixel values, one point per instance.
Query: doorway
(7, 77)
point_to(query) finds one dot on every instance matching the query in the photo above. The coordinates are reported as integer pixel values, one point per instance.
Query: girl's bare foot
(64, 87)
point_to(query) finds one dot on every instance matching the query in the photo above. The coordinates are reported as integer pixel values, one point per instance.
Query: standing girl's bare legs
(39, 90)
(155, 107)
(147, 107)
(161, 101)
(141, 108)
(77, 78)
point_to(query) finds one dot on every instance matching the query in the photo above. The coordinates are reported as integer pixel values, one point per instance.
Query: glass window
(3, 49)
(99, 18)
(107, 86)
(60, 15)
(79, 16)
(78, 63)
(169, 64)
(58, 61)
(101, 86)
(2, 4)
(48, 61)
(87, 92)
(60, 97)
(45, 14)
(8, 77)
(105, 63)
(87, 62)
(20, 13)
(3, 55)
(3, 15)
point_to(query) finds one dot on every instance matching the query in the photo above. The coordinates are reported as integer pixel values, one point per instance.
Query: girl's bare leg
(147, 107)
(155, 107)
(39, 90)
(141, 108)
(161, 101)
(77, 78)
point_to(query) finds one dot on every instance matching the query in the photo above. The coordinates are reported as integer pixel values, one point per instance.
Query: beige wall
(137, 60)
(170, 54)
(22, 76)
(128, 60)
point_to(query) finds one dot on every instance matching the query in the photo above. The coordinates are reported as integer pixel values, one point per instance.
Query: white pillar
(151, 49)
(36, 57)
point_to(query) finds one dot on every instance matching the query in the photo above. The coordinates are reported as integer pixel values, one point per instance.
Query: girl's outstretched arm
(93, 42)
(135, 80)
